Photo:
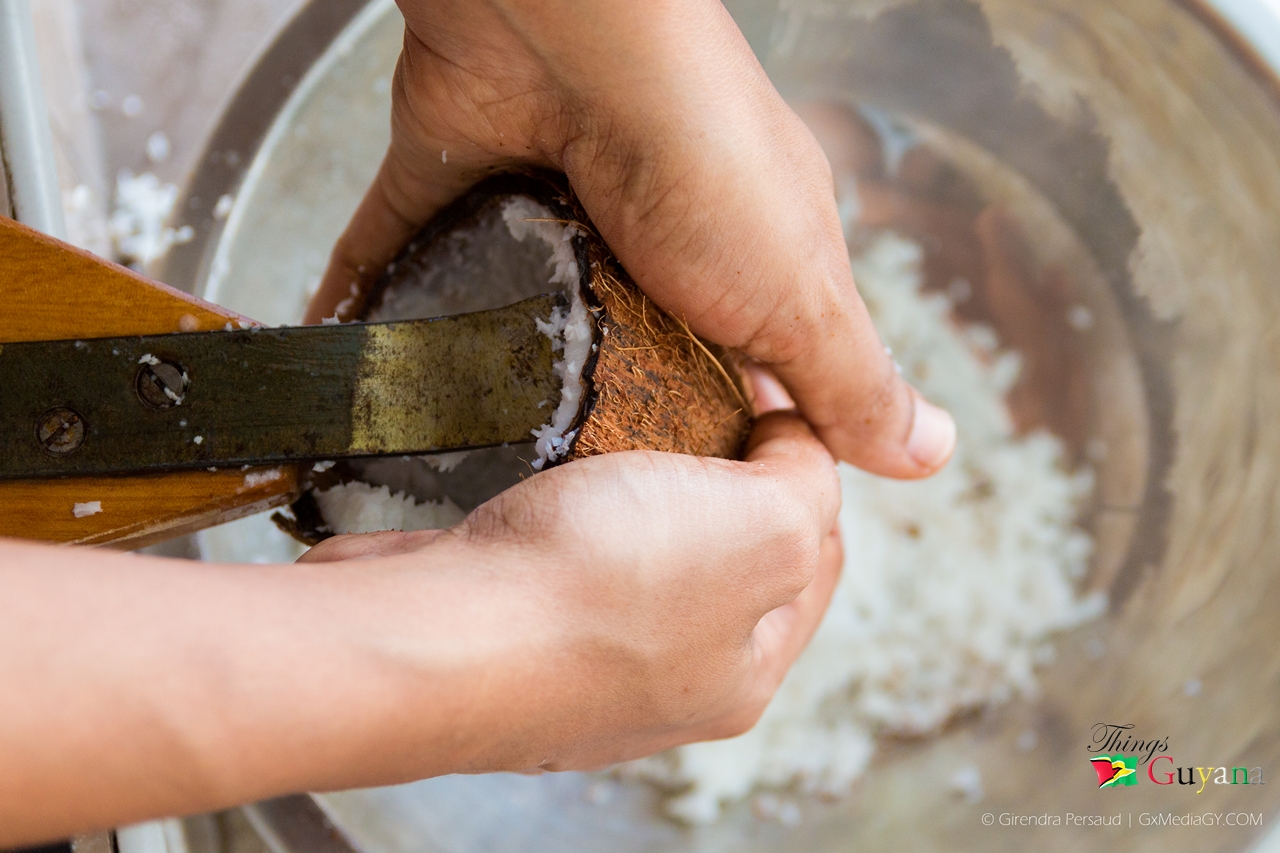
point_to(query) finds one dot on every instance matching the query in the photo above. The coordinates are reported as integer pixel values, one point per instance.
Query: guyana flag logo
(1115, 770)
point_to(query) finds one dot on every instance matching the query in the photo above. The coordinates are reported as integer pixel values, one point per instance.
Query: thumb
(738, 233)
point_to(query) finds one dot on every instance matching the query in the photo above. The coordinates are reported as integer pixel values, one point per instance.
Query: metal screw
(60, 431)
(162, 385)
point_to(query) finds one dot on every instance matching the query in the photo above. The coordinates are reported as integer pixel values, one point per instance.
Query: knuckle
(790, 506)
(794, 550)
(778, 496)
(798, 570)
(741, 720)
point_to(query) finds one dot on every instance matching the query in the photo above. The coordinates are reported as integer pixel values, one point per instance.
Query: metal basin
(1129, 148)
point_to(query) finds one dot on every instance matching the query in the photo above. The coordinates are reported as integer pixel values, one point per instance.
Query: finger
(766, 391)
(798, 311)
(802, 502)
(367, 546)
(784, 448)
(400, 201)
(369, 243)
(784, 633)
(853, 151)
(749, 214)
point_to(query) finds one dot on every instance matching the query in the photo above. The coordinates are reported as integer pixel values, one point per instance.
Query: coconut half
(632, 377)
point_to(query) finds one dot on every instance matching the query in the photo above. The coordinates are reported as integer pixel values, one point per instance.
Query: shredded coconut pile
(950, 587)
(570, 331)
(142, 206)
(362, 508)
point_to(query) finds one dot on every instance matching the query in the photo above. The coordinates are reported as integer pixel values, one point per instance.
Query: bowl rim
(273, 76)
(243, 125)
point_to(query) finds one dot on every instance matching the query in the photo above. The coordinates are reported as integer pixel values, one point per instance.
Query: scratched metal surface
(1190, 140)
(1148, 147)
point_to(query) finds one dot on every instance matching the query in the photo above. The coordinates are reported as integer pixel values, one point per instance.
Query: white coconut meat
(446, 462)
(363, 508)
(571, 331)
(516, 250)
(137, 225)
(951, 588)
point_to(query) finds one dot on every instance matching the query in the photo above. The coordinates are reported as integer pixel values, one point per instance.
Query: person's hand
(600, 611)
(708, 188)
(624, 604)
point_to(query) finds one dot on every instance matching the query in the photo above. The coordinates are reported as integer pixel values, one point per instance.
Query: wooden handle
(53, 291)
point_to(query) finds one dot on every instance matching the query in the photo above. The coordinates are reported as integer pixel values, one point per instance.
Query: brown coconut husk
(655, 385)
(651, 383)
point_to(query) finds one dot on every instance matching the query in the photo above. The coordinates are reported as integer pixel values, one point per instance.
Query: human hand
(623, 604)
(709, 189)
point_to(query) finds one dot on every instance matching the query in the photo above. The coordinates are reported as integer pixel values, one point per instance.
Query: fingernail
(933, 435)
(768, 392)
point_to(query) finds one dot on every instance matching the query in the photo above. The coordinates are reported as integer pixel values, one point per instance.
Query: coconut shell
(651, 384)
(654, 385)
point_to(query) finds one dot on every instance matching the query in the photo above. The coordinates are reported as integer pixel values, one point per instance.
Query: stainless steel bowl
(1132, 146)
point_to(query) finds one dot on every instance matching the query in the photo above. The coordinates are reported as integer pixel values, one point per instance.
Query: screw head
(60, 431)
(162, 385)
